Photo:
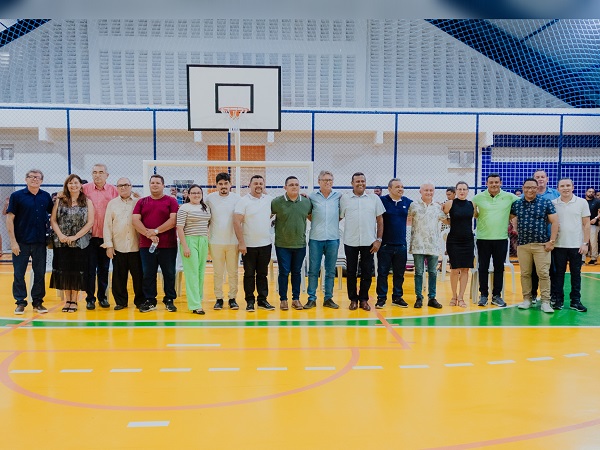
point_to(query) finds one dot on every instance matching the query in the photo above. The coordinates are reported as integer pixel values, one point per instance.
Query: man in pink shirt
(100, 193)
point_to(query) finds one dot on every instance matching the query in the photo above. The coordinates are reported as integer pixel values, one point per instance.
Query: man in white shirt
(363, 230)
(252, 225)
(571, 243)
(122, 246)
(222, 241)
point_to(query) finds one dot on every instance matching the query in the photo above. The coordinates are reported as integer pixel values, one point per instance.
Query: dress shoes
(365, 305)
(104, 303)
(118, 307)
(353, 305)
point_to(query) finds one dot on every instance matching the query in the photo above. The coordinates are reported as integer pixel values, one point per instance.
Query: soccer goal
(182, 173)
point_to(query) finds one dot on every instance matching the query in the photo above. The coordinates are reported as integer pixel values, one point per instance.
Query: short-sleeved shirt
(257, 219)
(532, 219)
(594, 206)
(426, 227)
(325, 220)
(221, 230)
(31, 215)
(100, 199)
(119, 232)
(194, 219)
(360, 212)
(394, 220)
(570, 229)
(154, 213)
(492, 222)
(290, 221)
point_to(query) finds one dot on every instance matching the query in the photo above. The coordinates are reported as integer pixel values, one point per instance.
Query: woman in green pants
(193, 218)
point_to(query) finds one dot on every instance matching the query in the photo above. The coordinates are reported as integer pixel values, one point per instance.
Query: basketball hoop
(234, 114)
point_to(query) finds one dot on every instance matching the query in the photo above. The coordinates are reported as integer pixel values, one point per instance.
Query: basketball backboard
(257, 88)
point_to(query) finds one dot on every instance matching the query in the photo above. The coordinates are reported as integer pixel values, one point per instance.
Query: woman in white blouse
(193, 218)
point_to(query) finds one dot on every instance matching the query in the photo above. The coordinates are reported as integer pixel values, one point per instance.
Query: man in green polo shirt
(291, 210)
(492, 212)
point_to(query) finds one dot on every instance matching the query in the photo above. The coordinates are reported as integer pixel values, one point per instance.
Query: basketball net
(234, 114)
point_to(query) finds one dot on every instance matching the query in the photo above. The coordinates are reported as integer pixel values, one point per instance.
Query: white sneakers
(546, 307)
(525, 304)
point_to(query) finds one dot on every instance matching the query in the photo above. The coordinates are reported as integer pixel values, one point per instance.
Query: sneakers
(577, 306)
(556, 304)
(380, 304)
(147, 307)
(419, 303)
(546, 307)
(233, 304)
(399, 302)
(329, 303)
(434, 303)
(218, 304)
(310, 304)
(170, 306)
(250, 307)
(41, 309)
(525, 304)
(482, 301)
(20, 309)
(263, 304)
(591, 262)
(497, 300)
(90, 305)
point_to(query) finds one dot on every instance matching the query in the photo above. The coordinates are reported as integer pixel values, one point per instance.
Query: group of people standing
(96, 222)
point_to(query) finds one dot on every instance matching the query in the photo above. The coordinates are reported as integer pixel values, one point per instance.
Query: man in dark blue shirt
(27, 223)
(392, 252)
(534, 213)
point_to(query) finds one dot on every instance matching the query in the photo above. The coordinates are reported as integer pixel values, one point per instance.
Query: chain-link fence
(442, 147)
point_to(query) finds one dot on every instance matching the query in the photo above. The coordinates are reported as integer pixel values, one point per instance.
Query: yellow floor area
(342, 379)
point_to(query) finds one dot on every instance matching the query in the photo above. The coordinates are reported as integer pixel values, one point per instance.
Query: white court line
(76, 370)
(125, 370)
(26, 371)
(575, 355)
(541, 358)
(271, 368)
(505, 361)
(319, 368)
(176, 369)
(415, 366)
(223, 369)
(193, 345)
(459, 364)
(366, 367)
(158, 423)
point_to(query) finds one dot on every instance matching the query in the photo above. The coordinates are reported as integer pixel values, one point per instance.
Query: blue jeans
(393, 256)
(38, 264)
(561, 256)
(316, 250)
(165, 258)
(432, 261)
(290, 260)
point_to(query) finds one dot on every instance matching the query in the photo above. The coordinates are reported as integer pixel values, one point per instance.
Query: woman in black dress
(460, 243)
(72, 220)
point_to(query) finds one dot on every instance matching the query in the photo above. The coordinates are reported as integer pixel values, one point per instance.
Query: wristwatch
(378, 239)
(156, 231)
(552, 241)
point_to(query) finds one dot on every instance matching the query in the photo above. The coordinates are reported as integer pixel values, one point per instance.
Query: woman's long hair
(66, 199)
(204, 207)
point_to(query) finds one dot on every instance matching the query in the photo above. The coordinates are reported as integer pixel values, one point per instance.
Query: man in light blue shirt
(324, 239)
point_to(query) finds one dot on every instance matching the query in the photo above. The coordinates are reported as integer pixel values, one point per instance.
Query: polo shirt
(154, 213)
(532, 217)
(360, 212)
(290, 221)
(570, 230)
(394, 220)
(221, 230)
(492, 222)
(257, 219)
(100, 199)
(325, 220)
(31, 215)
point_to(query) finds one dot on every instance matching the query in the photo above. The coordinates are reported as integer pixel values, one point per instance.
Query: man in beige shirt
(122, 246)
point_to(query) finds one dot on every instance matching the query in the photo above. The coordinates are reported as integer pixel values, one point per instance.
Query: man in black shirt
(594, 204)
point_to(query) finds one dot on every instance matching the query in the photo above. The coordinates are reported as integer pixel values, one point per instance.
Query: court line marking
(367, 367)
(575, 355)
(223, 369)
(415, 366)
(503, 361)
(15, 387)
(466, 364)
(392, 331)
(271, 368)
(319, 368)
(156, 423)
(125, 370)
(76, 370)
(541, 358)
(26, 371)
(193, 345)
(176, 369)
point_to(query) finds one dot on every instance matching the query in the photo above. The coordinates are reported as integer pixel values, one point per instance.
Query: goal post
(274, 172)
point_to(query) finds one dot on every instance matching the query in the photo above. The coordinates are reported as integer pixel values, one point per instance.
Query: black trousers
(494, 249)
(123, 265)
(367, 262)
(256, 268)
(98, 263)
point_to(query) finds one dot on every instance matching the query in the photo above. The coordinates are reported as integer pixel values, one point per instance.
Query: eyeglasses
(123, 185)
(34, 177)
(326, 180)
